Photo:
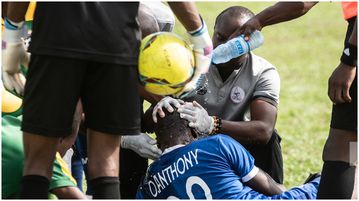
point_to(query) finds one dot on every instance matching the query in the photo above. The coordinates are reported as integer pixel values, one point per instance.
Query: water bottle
(236, 47)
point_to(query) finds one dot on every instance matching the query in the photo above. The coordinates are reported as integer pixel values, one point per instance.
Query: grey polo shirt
(230, 100)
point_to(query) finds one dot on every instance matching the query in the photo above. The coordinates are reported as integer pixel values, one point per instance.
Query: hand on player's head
(167, 103)
(172, 130)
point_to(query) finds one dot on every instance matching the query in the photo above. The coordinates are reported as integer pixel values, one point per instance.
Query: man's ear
(194, 133)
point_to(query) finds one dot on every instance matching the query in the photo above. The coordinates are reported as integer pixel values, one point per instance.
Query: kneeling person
(12, 161)
(216, 167)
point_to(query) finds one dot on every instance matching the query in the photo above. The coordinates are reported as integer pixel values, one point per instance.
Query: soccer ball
(166, 63)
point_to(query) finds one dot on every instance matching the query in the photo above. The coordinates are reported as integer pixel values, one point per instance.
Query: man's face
(225, 27)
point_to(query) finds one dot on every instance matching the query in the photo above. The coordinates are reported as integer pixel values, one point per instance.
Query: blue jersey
(214, 167)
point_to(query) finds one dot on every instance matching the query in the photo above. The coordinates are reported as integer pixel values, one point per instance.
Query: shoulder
(61, 176)
(218, 139)
(261, 65)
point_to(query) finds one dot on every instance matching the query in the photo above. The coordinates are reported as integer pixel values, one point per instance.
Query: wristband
(13, 31)
(200, 29)
(349, 55)
(201, 40)
(217, 125)
(8, 24)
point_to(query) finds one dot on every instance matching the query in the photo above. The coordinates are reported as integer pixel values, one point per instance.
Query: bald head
(234, 12)
(228, 21)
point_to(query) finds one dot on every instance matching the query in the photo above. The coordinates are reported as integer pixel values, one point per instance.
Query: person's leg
(38, 165)
(46, 118)
(103, 164)
(338, 173)
(76, 164)
(112, 108)
(133, 168)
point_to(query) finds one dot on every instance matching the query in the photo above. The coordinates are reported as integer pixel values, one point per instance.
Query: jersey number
(192, 181)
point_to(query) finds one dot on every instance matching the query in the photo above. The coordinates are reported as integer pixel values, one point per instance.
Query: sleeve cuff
(250, 175)
(266, 99)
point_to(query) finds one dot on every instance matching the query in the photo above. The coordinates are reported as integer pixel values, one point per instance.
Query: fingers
(188, 106)
(338, 96)
(186, 111)
(168, 106)
(192, 124)
(331, 92)
(7, 81)
(20, 80)
(236, 33)
(167, 103)
(156, 151)
(346, 94)
(338, 93)
(26, 60)
(151, 152)
(13, 82)
(247, 31)
(156, 110)
(176, 102)
(196, 104)
(189, 118)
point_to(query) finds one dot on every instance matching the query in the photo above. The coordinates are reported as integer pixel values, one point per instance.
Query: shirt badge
(237, 94)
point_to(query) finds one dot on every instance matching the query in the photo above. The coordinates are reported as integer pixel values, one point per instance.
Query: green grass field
(305, 52)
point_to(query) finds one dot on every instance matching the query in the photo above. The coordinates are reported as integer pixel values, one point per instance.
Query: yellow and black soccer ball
(166, 63)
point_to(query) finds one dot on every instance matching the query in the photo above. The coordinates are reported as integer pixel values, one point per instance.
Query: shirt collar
(169, 149)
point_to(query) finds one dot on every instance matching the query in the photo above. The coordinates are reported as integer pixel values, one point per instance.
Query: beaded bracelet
(217, 125)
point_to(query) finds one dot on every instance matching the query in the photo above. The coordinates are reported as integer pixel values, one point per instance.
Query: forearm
(283, 11)
(4, 9)
(353, 36)
(187, 14)
(263, 183)
(16, 11)
(152, 98)
(248, 132)
(68, 192)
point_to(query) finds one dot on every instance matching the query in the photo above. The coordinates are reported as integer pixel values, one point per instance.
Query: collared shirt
(230, 99)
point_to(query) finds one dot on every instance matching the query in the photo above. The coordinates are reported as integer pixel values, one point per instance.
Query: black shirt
(97, 31)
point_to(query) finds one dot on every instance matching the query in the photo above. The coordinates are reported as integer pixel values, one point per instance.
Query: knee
(337, 146)
(99, 166)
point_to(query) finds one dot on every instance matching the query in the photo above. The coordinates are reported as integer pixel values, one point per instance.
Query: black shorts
(109, 94)
(344, 116)
(268, 157)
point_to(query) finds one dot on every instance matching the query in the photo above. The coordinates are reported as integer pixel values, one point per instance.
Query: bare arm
(279, 12)
(16, 11)
(69, 192)
(353, 36)
(283, 11)
(344, 74)
(263, 183)
(187, 14)
(152, 98)
(259, 130)
(3, 9)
